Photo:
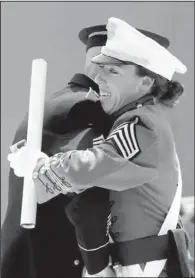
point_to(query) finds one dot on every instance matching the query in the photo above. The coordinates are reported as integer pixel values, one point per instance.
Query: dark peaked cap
(96, 36)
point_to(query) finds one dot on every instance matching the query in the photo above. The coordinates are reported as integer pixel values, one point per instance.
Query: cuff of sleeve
(96, 261)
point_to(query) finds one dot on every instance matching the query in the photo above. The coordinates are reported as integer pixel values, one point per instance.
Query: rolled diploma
(34, 138)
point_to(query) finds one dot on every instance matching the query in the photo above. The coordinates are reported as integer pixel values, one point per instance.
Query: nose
(100, 77)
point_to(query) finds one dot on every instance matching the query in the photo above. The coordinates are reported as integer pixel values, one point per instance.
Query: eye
(113, 71)
(101, 66)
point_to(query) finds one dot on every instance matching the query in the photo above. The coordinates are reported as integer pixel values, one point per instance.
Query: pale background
(49, 31)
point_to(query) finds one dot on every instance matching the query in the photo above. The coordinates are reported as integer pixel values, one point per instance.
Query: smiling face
(120, 85)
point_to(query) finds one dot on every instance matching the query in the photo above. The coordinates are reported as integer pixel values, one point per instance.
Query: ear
(146, 84)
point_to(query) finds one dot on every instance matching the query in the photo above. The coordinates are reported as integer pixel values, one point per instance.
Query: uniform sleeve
(89, 212)
(127, 158)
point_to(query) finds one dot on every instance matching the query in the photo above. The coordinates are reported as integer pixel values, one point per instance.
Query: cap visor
(106, 60)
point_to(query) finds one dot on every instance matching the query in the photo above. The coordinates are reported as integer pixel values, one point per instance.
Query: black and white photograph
(97, 139)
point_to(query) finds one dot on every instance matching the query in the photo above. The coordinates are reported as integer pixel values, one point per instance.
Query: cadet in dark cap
(50, 250)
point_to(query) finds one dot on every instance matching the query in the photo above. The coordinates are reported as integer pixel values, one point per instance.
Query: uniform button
(76, 262)
(111, 203)
(139, 105)
(116, 234)
(113, 219)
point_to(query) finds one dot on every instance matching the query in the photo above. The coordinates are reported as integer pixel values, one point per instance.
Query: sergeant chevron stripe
(124, 137)
(98, 140)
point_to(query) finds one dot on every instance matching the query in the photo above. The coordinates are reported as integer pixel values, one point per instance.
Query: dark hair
(164, 91)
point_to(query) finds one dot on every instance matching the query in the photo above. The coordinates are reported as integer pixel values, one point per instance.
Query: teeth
(105, 95)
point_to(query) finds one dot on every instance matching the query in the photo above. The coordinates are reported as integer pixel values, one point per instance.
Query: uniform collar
(84, 81)
(145, 100)
(105, 122)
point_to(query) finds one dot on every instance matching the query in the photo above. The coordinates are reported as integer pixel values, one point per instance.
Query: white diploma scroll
(34, 138)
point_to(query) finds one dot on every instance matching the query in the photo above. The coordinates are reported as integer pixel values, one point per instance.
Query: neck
(145, 100)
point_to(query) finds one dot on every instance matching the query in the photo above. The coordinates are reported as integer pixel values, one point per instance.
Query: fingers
(15, 163)
(10, 157)
(17, 146)
(14, 156)
(18, 162)
(24, 160)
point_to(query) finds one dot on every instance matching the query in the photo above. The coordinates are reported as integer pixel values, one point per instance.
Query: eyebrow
(123, 64)
(116, 65)
(130, 63)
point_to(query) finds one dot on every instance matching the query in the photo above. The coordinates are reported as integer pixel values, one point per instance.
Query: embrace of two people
(108, 179)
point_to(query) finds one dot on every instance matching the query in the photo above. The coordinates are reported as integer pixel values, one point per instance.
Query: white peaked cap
(127, 44)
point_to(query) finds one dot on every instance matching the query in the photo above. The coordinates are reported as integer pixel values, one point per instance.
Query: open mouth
(104, 95)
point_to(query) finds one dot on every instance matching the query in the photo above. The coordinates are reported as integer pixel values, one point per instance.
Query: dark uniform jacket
(50, 250)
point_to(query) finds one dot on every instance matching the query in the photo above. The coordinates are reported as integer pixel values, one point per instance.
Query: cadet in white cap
(136, 160)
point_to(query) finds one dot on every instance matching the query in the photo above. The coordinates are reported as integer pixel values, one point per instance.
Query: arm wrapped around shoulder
(127, 158)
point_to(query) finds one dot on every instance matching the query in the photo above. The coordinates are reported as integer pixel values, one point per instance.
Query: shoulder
(137, 122)
(137, 132)
(69, 89)
(141, 116)
(149, 117)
